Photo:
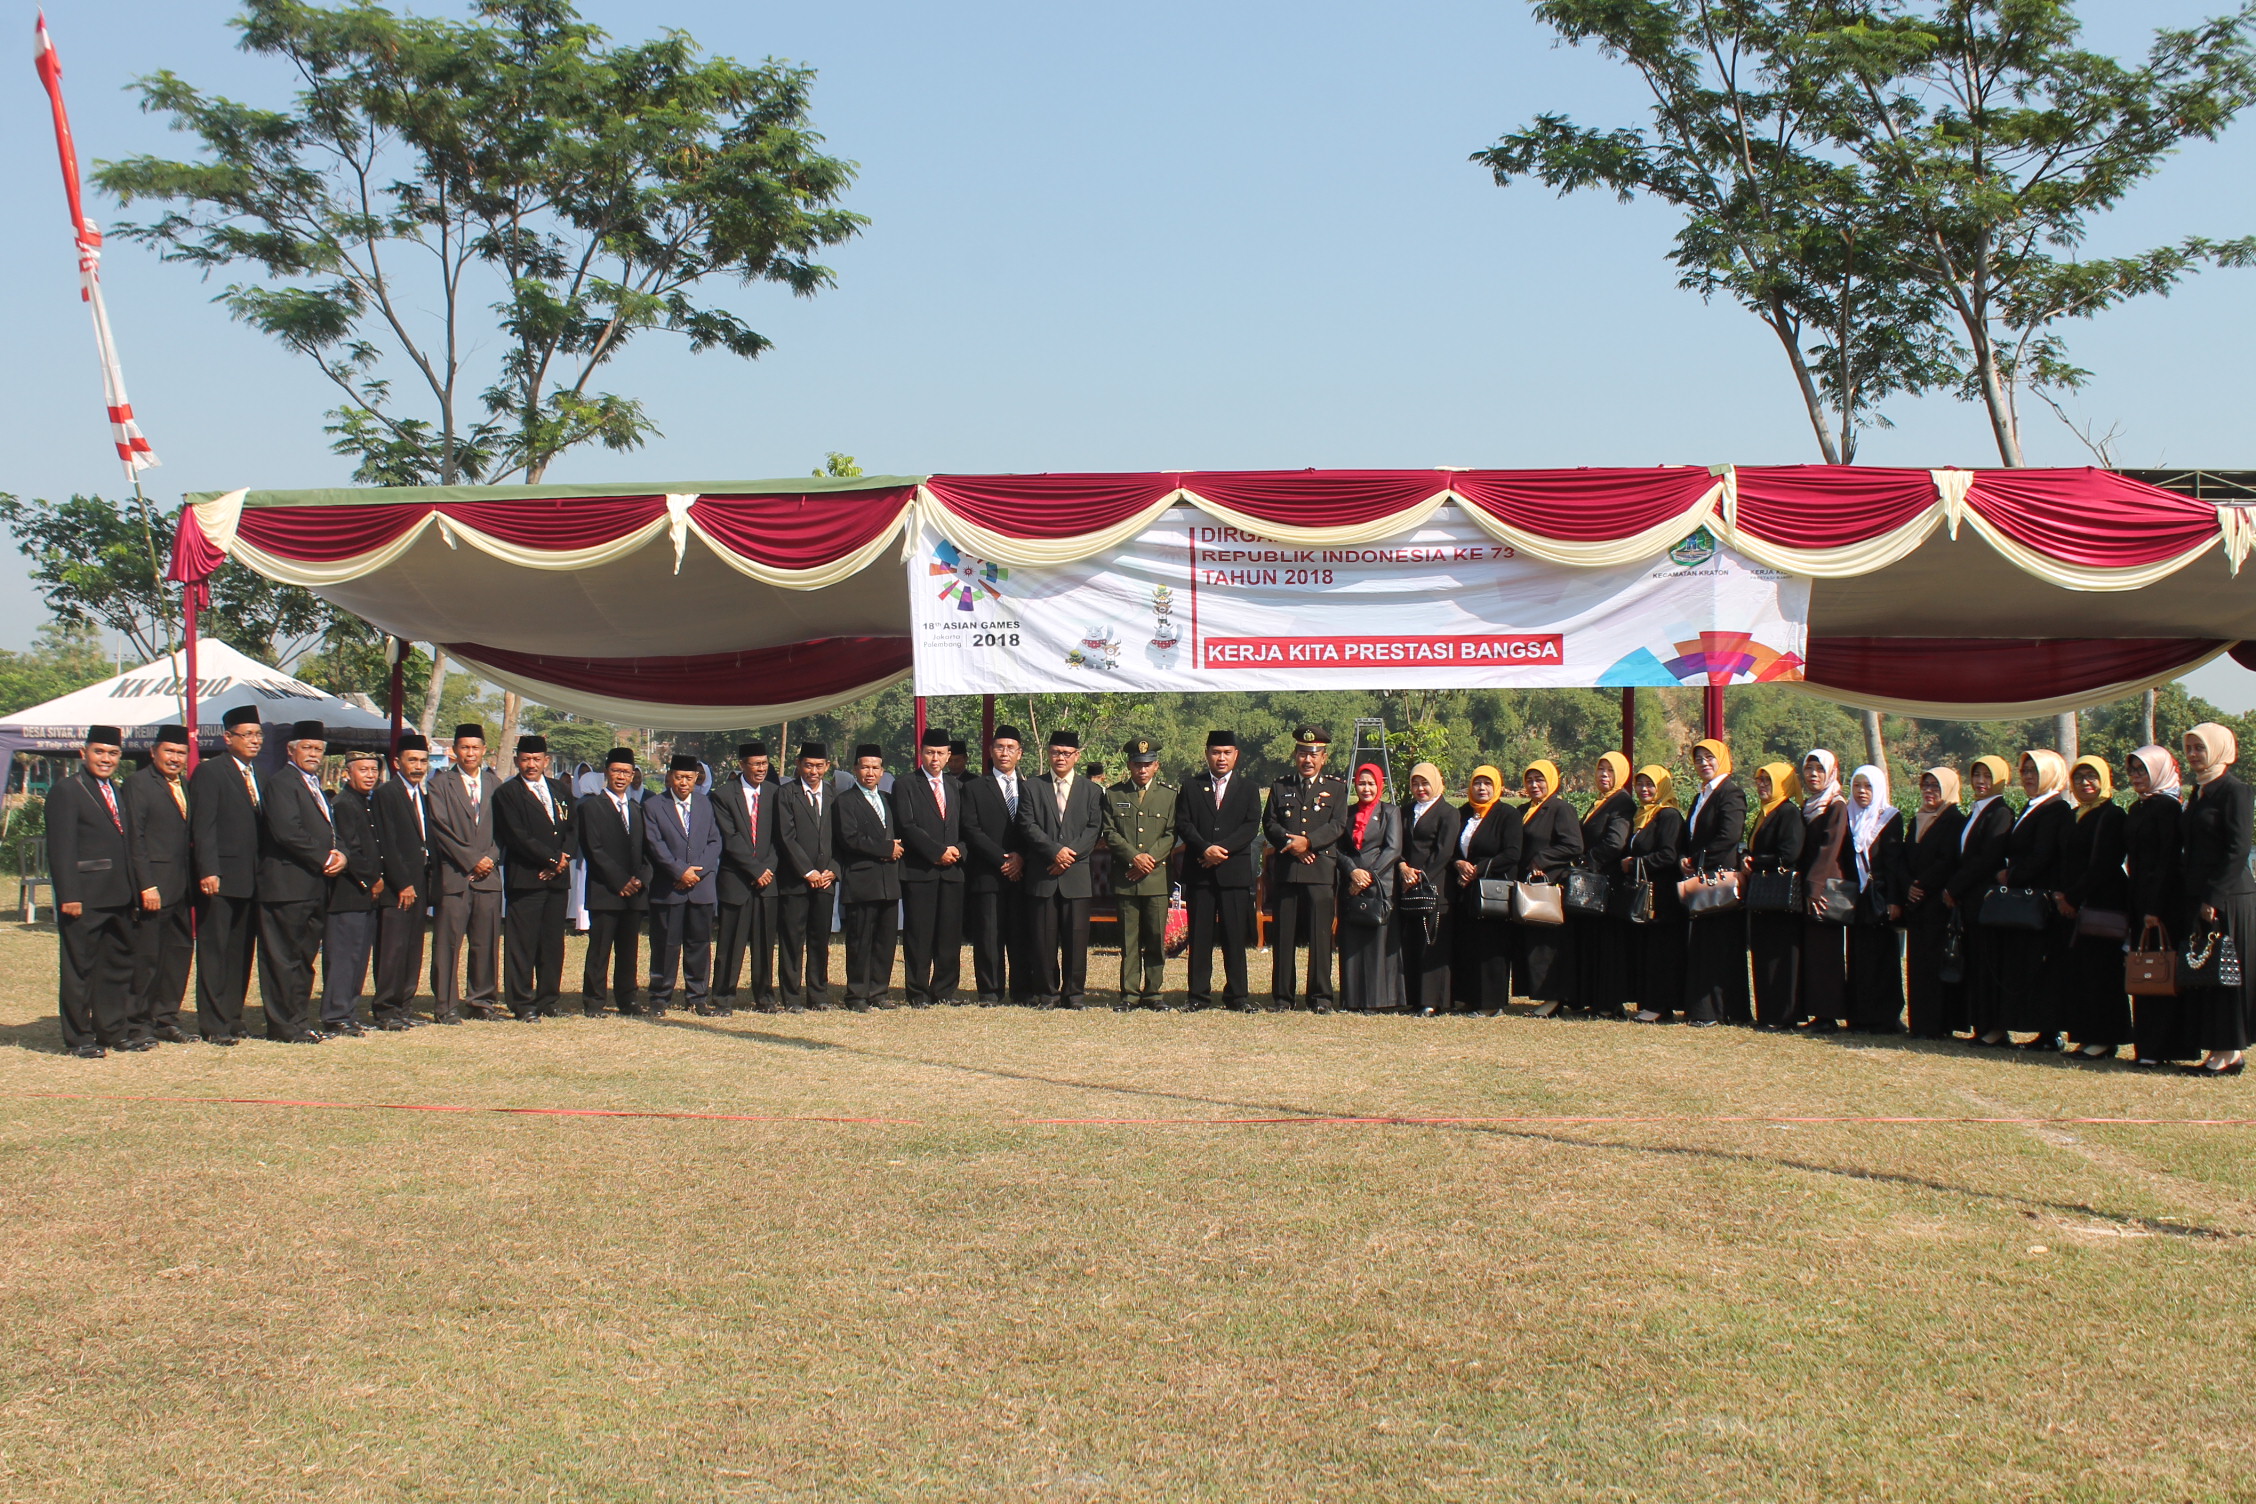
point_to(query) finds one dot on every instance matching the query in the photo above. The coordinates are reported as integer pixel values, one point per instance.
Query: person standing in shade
(1140, 830)
(928, 810)
(995, 887)
(297, 856)
(348, 934)
(469, 909)
(2219, 824)
(164, 940)
(88, 855)
(1060, 821)
(744, 808)
(1307, 814)
(685, 856)
(806, 871)
(1429, 848)
(869, 844)
(959, 761)
(223, 816)
(1218, 823)
(533, 826)
(612, 842)
(403, 836)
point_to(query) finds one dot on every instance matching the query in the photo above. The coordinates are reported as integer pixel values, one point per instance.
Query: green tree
(430, 169)
(63, 659)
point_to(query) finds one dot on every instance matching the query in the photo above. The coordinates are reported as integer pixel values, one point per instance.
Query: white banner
(1191, 605)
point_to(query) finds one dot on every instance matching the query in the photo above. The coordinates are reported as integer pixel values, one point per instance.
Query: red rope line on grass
(1522, 1120)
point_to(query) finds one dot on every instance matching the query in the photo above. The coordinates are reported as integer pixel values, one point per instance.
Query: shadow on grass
(1497, 1130)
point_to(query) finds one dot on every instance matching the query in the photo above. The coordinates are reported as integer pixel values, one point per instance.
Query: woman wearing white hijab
(1825, 857)
(2153, 848)
(2029, 970)
(1876, 838)
(2218, 817)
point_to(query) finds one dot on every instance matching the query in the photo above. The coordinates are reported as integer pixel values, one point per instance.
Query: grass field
(907, 1280)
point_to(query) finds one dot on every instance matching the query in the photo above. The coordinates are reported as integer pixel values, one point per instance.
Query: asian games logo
(967, 578)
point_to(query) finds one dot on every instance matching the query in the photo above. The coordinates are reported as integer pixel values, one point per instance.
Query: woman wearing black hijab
(1605, 969)
(1825, 858)
(1543, 966)
(1715, 944)
(1935, 1009)
(2218, 821)
(2153, 849)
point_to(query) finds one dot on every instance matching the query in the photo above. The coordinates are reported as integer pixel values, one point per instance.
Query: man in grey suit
(469, 863)
(685, 856)
(1060, 821)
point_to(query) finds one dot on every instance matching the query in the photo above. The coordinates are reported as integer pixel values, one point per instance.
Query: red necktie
(940, 794)
(754, 796)
(109, 798)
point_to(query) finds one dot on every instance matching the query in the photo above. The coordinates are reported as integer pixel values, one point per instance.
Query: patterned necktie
(681, 812)
(249, 782)
(1064, 787)
(109, 797)
(1010, 796)
(172, 787)
(752, 811)
(940, 795)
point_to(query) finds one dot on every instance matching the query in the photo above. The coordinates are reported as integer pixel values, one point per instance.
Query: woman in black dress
(1604, 966)
(1656, 948)
(1716, 944)
(2029, 961)
(2161, 1027)
(1774, 936)
(1488, 847)
(1543, 966)
(1825, 858)
(2220, 892)
(1981, 852)
(1429, 823)
(1876, 843)
(2095, 899)
(1936, 1008)
(1370, 968)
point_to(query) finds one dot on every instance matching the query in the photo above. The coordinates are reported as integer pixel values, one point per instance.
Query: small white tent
(140, 700)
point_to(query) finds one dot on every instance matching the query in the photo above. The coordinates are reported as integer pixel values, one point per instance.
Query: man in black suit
(685, 858)
(223, 818)
(1218, 820)
(403, 837)
(994, 883)
(297, 856)
(928, 806)
(869, 879)
(533, 826)
(89, 857)
(164, 940)
(745, 809)
(806, 871)
(348, 935)
(1307, 815)
(1060, 822)
(618, 885)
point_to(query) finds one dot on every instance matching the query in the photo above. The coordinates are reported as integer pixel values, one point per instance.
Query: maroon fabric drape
(1049, 506)
(1584, 506)
(800, 532)
(194, 557)
(1829, 506)
(2091, 517)
(559, 524)
(825, 667)
(1317, 498)
(1992, 671)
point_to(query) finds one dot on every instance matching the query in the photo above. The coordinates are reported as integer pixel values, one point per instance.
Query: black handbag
(1370, 907)
(1834, 901)
(1633, 899)
(1774, 892)
(1417, 900)
(1587, 893)
(1953, 967)
(2013, 909)
(1496, 897)
(2210, 960)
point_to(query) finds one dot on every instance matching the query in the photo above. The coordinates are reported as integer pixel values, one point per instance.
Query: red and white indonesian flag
(133, 450)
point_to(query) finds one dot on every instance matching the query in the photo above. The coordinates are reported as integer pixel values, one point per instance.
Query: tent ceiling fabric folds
(706, 606)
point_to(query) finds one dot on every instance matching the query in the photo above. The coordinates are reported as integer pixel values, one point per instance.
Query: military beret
(1140, 750)
(309, 731)
(531, 744)
(1221, 738)
(173, 735)
(619, 755)
(933, 737)
(241, 715)
(1312, 736)
(104, 736)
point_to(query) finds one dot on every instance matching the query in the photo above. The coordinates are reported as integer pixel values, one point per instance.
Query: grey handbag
(1539, 903)
(1496, 897)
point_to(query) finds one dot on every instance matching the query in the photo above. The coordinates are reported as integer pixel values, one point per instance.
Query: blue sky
(1171, 235)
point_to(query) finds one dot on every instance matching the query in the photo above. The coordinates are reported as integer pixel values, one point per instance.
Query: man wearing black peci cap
(869, 879)
(994, 882)
(348, 935)
(806, 871)
(297, 856)
(1308, 813)
(614, 843)
(685, 855)
(928, 804)
(959, 761)
(88, 842)
(223, 821)
(469, 897)
(1060, 821)
(164, 941)
(744, 808)
(1218, 818)
(403, 836)
(533, 827)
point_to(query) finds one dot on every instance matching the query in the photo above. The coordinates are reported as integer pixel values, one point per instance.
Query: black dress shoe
(1426, 1012)
(447, 1018)
(591, 1010)
(348, 1030)
(723, 1010)
(135, 1046)
(1321, 1008)
(170, 1034)
(412, 1022)
(225, 1039)
(2043, 1044)
(654, 1014)
(393, 1026)
(532, 1017)
(857, 1007)
(87, 1052)
(310, 1036)
(794, 1007)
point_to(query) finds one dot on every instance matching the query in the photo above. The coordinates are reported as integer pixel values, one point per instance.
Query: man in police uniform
(1140, 829)
(1308, 813)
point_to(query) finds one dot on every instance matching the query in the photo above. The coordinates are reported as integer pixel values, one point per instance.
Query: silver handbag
(1539, 903)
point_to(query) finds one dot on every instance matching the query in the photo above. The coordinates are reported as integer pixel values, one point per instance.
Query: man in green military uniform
(1140, 830)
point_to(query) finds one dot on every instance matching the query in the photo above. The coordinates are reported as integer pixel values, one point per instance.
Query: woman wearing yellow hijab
(2031, 969)
(1543, 959)
(1657, 949)
(2222, 894)
(1934, 1008)
(1488, 848)
(2095, 897)
(1716, 948)
(1774, 936)
(1981, 862)
(1601, 942)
